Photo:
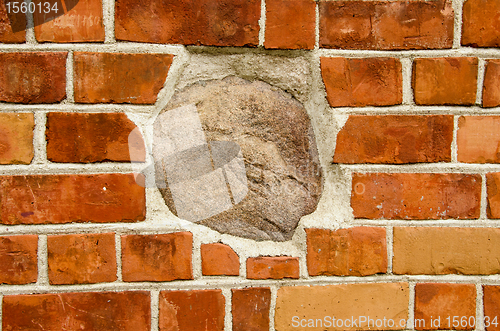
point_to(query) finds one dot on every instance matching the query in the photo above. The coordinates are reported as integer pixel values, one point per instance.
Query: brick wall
(403, 98)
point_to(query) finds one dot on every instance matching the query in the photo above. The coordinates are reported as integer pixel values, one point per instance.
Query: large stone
(239, 157)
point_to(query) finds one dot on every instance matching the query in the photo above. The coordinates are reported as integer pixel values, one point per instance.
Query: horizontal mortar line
(462, 52)
(74, 107)
(96, 47)
(416, 110)
(441, 167)
(69, 169)
(478, 223)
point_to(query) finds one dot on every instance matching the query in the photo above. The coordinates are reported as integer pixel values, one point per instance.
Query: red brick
(386, 25)
(491, 86)
(18, 259)
(436, 305)
(250, 308)
(358, 251)
(16, 138)
(192, 310)
(493, 191)
(11, 33)
(157, 258)
(219, 260)
(395, 139)
(478, 139)
(44, 199)
(119, 78)
(188, 22)
(491, 300)
(124, 311)
(290, 24)
(86, 138)
(445, 81)
(362, 82)
(481, 23)
(82, 23)
(416, 196)
(82, 258)
(33, 77)
(276, 267)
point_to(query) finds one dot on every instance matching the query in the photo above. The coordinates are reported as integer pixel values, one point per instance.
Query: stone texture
(300, 307)
(192, 310)
(447, 250)
(119, 77)
(434, 303)
(46, 199)
(81, 258)
(481, 23)
(358, 251)
(33, 77)
(478, 139)
(493, 197)
(417, 196)
(11, 32)
(260, 138)
(445, 81)
(395, 139)
(87, 138)
(81, 23)
(276, 267)
(491, 300)
(386, 25)
(219, 260)
(250, 308)
(16, 138)
(120, 311)
(202, 22)
(290, 24)
(362, 82)
(18, 259)
(157, 258)
(491, 85)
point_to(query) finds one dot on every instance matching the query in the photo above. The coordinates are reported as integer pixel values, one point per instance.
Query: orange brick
(11, 32)
(493, 191)
(478, 139)
(491, 86)
(219, 260)
(250, 308)
(18, 259)
(277, 267)
(491, 301)
(16, 138)
(480, 27)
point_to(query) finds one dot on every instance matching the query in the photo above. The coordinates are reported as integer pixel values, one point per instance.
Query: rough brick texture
(250, 308)
(493, 191)
(157, 258)
(290, 24)
(33, 77)
(478, 139)
(362, 82)
(491, 300)
(43, 199)
(481, 25)
(359, 251)
(397, 25)
(86, 138)
(11, 32)
(491, 87)
(124, 311)
(203, 22)
(192, 310)
(278, 267)
(18, 259)
(445, 81)
(447, 250)
(219, 260)
(16, 138)
(416, 196)
(395, 139)
(119, 78)
(81, 258)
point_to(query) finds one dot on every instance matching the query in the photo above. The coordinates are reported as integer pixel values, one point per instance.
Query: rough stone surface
(491, 300)
(279, 267)
(491, 85)
(493, 191)
(263, 140)
(11, 33)
(250, 308)
(481, 23)
(219, 260)
(16, 138)
(478, 139)
(18, 259)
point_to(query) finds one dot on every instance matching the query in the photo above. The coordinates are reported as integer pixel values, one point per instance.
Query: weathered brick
(358, 251)
(192, 310)
(290, 24)
(276, 267)
(481, 25)
(362, 82)
(437, 304)
(445, 81)
(250, 308)
(81, 258)
(16, 138)
(478, 139)
(202, 22)
(219, 260)
(85, 138)
(493, 191)
(491, 86)
(491, 301)
(82, 23)
(386, 25)
(416, 196)
(36, 77)
(18, 259)
(119, 78)
(395, 139)
(314, 307)
(11, 32)
(157, 258)
(447, 250)
(123, 311)
(44, 199)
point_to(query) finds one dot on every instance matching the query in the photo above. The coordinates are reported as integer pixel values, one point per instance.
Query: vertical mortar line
(108, 19)
(196, 257)
(272, 306)
(457, 28)
(480, 80)
(155, 310)
(70, 97)
(43, 269)
(484, 198)
(454, 147)
(316, 27)
(406, 64)
(262, 23)
(39, 142)
(479, 307)
(390, 254)
(228, 318)
(30, 32)
(118, 251)
(411, 306)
